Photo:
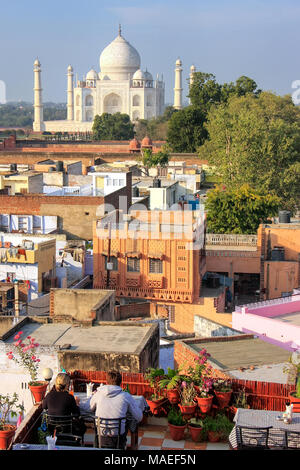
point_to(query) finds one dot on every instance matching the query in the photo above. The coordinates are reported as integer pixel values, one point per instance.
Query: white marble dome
(119, 59)
(148, 75)
(139, 75)
(92, 75)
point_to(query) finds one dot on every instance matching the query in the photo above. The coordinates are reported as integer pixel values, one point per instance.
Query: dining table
(89, 415)
(264, 418)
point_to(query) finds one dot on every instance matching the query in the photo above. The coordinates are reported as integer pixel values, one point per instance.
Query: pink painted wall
(267, 329)
(277, 309)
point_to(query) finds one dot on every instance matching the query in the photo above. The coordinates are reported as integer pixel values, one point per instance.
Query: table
(45, 447)
(263, 418)
(89, 415)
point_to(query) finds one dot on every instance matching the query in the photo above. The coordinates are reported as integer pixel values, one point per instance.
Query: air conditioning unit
(110, 266)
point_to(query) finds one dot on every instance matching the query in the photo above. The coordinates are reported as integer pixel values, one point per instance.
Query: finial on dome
(120, 30)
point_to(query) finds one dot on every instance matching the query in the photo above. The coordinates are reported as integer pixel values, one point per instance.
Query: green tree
(151, 160)
(256, 140)
(112, 127)
(186, 130)
(239, 210)
(204, 91)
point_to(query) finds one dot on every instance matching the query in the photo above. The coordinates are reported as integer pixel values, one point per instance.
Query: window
(155, 266)
(114, 262)
(133, 265)
(23, 223)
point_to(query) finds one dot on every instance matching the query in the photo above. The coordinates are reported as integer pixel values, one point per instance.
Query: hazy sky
(229, 38)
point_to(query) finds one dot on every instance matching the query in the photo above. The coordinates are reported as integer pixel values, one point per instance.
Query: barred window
(114, 261)
(133, 265)
(155, 266)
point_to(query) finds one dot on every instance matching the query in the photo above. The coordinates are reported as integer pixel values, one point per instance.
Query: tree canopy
(239, 210)
(186, 131)
(113, 127)
(256, 140)
(151, 160)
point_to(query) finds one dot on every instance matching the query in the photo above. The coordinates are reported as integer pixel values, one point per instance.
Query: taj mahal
(120, 86)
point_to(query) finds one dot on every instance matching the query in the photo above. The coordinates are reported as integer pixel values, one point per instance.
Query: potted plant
(240, 401)
(156, 399)
(223, 392)
(225, 426)
(176, 424)
(211, 428)
(195, 427)
(188, 394)
(204, 397)
(200, 375)
(27, 359)
(293, 369)
(8, 407)
(171, 382)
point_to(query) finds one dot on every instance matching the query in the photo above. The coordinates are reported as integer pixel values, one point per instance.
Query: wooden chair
(63, 426)
(292, 440)
(109, 427)
(250, 438)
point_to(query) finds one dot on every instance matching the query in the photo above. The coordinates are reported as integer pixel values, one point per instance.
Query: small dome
(148, 75)
(70, 68)
(37, 62)
(92, 75)
(134, 144)
(193, 68)
(139, 75)
(146, 142)
(178, 62)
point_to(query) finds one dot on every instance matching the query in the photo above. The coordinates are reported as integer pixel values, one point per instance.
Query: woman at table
(59, 402)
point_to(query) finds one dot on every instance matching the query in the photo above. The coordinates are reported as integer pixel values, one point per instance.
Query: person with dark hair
(111, 402)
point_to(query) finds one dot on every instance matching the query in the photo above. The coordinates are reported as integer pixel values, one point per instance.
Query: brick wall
(75, 213)
(122, 312)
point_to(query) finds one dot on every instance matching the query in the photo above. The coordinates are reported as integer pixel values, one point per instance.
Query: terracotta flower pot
(195, 432)
(173, 396)
(205, 403)
(6, 436)
(295, 401)
(177, 432)
(38, 391)
(223, 398)
(188, 411)
(213, 436)
(155, 405)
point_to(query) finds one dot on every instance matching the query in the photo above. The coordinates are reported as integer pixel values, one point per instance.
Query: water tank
(156, 183)
(284, 217)
(277, 254)
(59, 166)
(135, 191)
(13, 167)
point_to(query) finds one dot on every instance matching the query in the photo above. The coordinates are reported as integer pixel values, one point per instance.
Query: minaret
(38, 124)
(178, 85)
(192, 71)
(70, 100)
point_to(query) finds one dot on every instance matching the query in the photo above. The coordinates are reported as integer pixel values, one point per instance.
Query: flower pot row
(178, 432)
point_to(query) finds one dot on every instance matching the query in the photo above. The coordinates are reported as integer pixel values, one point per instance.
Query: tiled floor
(155, 435)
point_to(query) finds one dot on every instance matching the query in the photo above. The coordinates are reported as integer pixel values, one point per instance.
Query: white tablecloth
(84, 403)
(263, 418)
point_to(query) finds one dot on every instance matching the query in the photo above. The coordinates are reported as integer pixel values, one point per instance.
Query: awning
(133, 254)
(112, 253)
(156, 255)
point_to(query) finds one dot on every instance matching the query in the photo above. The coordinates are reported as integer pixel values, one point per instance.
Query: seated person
(59, 402)
(111, 402)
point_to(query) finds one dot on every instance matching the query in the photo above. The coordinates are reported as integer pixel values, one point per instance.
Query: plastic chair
(110, 427)
(250, 438)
